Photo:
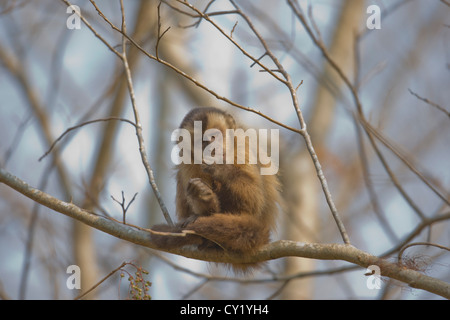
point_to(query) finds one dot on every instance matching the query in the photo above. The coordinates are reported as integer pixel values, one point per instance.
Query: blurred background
(387, 164)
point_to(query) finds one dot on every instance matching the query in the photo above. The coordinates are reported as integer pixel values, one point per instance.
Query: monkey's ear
(230, 121)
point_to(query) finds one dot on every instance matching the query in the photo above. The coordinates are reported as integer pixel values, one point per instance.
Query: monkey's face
(208, 127)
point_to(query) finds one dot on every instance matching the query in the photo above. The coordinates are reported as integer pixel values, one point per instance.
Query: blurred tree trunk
(302, 190)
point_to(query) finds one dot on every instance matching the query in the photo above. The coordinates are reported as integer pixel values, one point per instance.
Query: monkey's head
(210, 118)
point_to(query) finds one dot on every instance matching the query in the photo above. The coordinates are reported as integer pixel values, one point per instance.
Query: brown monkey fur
(230, 207)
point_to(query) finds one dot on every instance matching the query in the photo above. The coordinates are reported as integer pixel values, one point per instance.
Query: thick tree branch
(275, 250)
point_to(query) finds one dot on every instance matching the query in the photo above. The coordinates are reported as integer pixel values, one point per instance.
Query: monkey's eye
(209, 137)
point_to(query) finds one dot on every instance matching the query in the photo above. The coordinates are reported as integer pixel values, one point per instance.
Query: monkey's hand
(201, 198)
(184, 224)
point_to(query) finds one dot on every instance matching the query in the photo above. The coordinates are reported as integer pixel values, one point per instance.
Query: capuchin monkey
(228, 206)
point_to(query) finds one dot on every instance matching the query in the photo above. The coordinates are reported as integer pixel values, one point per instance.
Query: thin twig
(360, 115)
(93, 30)
(207, 18)
(137, 123)
(430, 103)
(400, 253)
(79, 126)
(232, 29)
(122, 205)
(370, 188)
(31, 236)
(193, 80)
(428, 223)
(138, 126)
(159, 31)
(101, 281)
(368, 127)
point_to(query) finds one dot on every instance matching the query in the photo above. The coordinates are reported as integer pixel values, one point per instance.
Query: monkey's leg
(201, 198)
(234, 232)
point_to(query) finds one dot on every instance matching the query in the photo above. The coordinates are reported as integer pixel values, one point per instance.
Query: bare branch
(138, 127)
(275, 250)
(79, 126)
(207, 18)
(360, 115)
(93, 30)
(430, 103)
(123, 206)
(193, 80)
(369, 128)
(101, 281)
(160, 35)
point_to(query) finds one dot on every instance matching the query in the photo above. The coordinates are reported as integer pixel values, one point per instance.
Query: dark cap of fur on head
(203, 113)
